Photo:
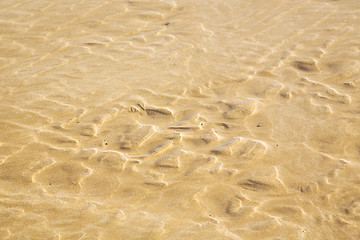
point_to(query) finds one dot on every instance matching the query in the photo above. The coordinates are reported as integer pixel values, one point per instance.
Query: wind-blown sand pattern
(177, 119)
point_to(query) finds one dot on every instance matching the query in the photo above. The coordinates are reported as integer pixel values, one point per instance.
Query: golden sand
(179, 119)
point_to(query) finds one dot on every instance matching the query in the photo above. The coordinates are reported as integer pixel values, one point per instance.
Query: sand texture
(179, 119)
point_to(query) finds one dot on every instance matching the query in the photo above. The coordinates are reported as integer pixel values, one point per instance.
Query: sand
(178, 119)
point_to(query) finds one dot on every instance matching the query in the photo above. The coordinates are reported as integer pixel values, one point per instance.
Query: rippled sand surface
(181, 119)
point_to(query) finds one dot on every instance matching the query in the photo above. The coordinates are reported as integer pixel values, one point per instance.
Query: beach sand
(178, 119)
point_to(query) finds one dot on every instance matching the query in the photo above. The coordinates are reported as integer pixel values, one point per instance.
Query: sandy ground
(181, 119)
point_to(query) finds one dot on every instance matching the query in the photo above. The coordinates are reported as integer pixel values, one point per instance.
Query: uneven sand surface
(179, 119)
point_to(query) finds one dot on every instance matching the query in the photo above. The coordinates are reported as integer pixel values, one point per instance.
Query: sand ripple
(175, 119)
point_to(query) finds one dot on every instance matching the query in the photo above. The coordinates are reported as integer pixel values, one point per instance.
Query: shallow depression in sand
(178, 119)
